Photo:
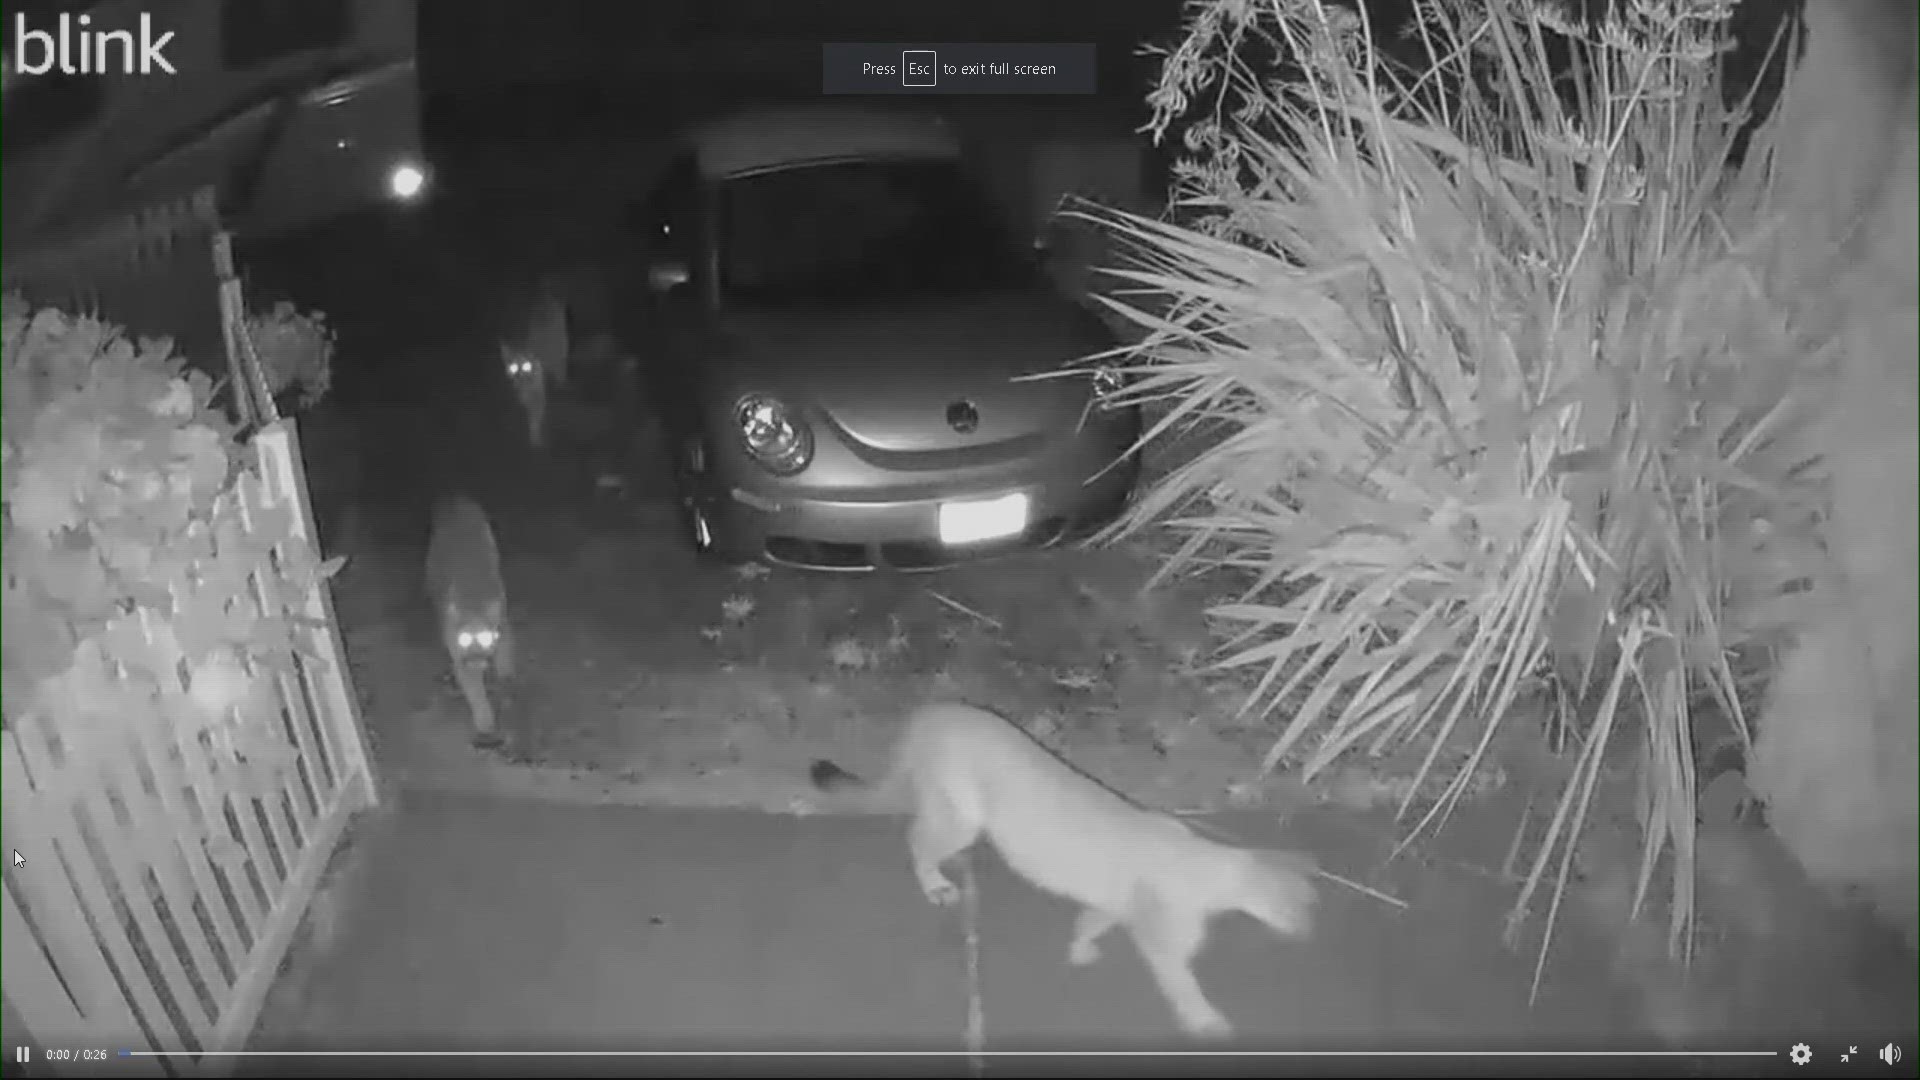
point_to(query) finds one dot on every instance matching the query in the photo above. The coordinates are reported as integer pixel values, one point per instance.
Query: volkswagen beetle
(837, 327)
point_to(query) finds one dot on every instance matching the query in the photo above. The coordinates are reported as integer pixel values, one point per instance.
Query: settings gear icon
(1801, 1053)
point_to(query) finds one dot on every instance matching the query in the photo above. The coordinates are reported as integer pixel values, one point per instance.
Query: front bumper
(1067, 495)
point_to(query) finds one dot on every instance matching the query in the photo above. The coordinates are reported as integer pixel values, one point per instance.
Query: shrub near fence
(181, 747)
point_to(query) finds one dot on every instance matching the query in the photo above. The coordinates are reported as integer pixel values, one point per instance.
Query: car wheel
(1100, 516)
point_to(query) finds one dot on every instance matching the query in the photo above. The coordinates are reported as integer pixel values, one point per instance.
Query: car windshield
(862, 231)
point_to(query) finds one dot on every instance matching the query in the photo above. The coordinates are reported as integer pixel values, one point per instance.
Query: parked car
(837, 324)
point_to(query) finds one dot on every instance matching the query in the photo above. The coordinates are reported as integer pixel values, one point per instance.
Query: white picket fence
(159, 878)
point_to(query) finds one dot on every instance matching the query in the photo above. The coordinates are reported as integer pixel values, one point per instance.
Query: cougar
(964, 772)
(535, 359)
(470, 601)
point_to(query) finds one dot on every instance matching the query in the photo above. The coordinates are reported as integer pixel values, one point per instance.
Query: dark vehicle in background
(297, 111)
(836, 338)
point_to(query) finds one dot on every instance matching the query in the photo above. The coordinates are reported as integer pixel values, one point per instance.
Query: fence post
(250, 384)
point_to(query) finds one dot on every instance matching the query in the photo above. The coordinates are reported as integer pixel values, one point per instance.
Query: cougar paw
(1214, 1028)
(1081, 953)
(944, 894)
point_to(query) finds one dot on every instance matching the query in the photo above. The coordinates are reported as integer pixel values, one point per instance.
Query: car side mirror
(667, 275)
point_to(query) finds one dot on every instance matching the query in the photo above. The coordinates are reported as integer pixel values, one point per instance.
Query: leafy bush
(296, 353)
(128, 552)
(1495, 394)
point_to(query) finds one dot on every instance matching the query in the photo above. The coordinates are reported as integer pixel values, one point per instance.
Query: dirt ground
(642, 664)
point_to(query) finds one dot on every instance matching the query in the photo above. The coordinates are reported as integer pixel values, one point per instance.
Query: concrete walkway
(473, 922)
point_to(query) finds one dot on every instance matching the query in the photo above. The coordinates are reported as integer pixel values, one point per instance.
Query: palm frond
(1495, 379)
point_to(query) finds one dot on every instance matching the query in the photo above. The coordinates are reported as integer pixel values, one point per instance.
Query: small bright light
(406, 181)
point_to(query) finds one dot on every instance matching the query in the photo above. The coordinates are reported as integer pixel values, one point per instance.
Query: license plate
(984, 519)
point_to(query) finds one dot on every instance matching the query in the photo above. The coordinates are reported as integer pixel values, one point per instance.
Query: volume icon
(1890, 1054)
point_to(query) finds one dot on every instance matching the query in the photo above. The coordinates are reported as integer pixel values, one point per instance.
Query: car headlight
(780, 441)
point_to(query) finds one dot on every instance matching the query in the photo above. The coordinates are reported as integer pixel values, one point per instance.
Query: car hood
(887, 373)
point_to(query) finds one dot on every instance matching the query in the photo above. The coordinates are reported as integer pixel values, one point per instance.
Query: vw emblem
(963, 417)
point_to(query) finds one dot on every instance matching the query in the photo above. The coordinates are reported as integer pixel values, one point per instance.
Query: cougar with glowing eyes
(469, 598)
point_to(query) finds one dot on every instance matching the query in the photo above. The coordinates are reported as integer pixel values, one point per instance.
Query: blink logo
(74, 47)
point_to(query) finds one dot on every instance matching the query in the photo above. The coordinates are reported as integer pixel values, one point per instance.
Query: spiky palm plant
(1495, 390)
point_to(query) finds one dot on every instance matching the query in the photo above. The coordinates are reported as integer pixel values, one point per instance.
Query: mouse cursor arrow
(19, 859)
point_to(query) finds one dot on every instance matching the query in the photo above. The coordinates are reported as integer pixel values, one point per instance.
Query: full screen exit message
(909, 68)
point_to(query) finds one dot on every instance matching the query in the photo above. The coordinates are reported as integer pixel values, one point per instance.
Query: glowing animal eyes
(477, 639)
